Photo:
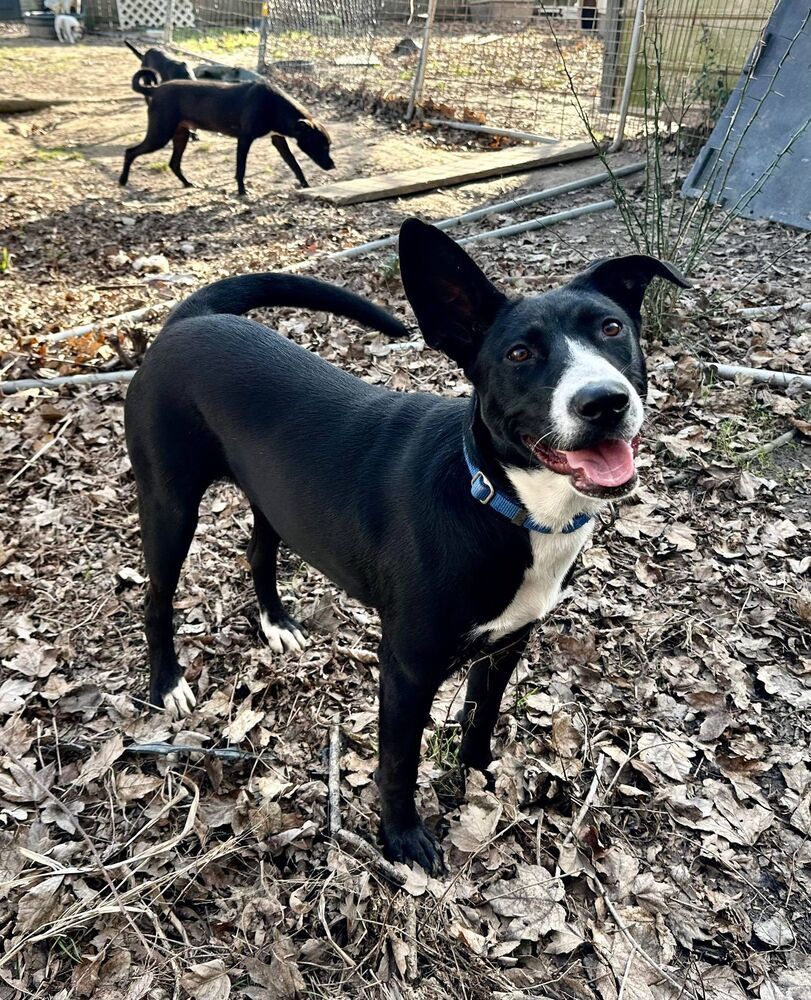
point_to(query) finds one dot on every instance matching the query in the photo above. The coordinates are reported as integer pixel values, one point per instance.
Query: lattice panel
(152, 13)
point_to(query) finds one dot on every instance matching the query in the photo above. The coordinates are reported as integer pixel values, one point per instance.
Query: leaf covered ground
(648, 833)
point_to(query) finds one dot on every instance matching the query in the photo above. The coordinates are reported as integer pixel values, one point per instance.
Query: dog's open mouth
(605, 469)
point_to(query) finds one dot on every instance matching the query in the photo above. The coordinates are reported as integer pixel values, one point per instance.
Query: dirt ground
(648, 834)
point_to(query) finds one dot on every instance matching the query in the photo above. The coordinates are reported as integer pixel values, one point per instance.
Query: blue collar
(482, 489)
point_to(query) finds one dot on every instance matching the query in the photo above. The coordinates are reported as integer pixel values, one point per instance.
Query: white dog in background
(67, 27)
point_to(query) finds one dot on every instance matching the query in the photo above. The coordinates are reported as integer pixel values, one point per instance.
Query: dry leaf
(132, 786)
(39, 905)
(207, 981)
(244, 721)
(530, 900)
(774, 930)
(12, 694)
(101, 761)
(681, 536)
(780, 682)
(477, 822)
(668, 753)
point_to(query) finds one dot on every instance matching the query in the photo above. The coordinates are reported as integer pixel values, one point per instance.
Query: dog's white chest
(539, 592)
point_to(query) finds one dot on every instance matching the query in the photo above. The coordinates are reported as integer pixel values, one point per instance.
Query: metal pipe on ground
(545, 220)
(17, 385)
(508, 133)
(783, 379)
(726, 372)
(504, 206)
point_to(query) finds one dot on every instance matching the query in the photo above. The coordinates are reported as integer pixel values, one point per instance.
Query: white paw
(180, 701)
(281, 640)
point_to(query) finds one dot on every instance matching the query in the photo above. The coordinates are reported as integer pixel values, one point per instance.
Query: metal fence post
(625, 100)
(169, 27)
(419, 76)
(263, 39)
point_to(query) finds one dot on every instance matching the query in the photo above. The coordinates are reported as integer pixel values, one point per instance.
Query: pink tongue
(609, 464)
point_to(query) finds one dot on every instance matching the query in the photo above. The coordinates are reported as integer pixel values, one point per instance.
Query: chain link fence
(524, 66)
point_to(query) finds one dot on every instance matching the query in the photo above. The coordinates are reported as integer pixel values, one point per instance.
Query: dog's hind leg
(168, 522)
(179, 142)
(487, 681)
(157, 135)
(282, 632)
(280, 143)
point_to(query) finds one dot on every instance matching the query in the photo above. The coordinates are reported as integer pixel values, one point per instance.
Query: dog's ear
(625, 279)
(454, 302)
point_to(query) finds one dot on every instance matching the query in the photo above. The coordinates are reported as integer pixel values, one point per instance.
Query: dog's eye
(612, 327)
(519, 353)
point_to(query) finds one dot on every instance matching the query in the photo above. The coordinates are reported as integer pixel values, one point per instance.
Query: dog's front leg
(284, 151)
(405, 703)
(487, 681)
(244, 143)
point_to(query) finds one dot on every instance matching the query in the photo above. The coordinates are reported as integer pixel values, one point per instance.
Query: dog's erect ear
(625, 279)
(454, 302)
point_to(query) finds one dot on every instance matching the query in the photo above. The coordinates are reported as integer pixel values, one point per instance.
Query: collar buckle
(478, 481)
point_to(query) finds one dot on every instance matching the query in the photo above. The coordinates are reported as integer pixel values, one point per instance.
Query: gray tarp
(763, 169)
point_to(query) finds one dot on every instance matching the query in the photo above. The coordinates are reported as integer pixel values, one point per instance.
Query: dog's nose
(601, 403)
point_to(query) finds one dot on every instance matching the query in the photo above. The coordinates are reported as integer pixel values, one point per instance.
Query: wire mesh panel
(352, 45)
(515, 63)
(693, 50)
(524, 65)
(540, 67)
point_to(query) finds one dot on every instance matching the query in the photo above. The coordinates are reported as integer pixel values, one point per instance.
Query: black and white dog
(457, 519)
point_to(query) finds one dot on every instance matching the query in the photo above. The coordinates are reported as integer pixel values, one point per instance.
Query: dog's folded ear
(454, 302)
(625, 279)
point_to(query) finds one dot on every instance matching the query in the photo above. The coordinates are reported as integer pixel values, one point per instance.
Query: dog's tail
(145, 81)
(132, 49)
(235, 296)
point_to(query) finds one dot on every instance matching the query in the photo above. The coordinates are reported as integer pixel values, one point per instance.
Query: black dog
(458, 520)
(161, 66)
(243, 110)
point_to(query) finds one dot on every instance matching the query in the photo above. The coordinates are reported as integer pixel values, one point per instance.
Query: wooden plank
(14, 105)
(463, 168)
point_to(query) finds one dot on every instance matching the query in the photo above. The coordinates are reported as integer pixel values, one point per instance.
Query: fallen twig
(361, 848)
(595, 781)
(624, 983)
(100, 324)
(364, 850)
(335, 779)
(683, 988)
(66, 422)
(756, 312)
(764, 449)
